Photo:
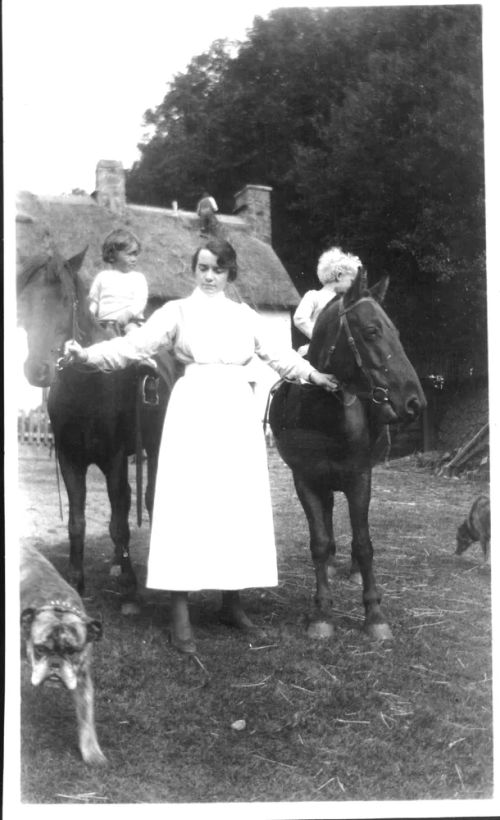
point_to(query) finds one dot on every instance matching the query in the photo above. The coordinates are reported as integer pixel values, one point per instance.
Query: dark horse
(93, 414)
(328, 439)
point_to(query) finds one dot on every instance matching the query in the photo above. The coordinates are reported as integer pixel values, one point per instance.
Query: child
(336, 272)
(118, 294)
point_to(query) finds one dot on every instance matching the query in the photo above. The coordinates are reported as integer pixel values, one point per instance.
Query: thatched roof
(169, 239)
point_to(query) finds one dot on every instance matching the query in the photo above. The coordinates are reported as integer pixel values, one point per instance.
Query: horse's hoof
(320, 629)
(356, 578)
(115, 570)
(379, 632)
(130, 608)
(186, 646)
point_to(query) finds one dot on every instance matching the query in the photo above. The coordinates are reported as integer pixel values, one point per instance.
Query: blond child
(336, 272)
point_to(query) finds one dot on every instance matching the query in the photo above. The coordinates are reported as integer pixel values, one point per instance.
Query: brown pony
(93, 415)
(328, 439)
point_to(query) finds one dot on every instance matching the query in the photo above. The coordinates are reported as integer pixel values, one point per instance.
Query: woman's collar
(199, 296)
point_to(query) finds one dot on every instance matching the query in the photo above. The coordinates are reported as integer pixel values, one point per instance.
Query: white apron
(212, 524)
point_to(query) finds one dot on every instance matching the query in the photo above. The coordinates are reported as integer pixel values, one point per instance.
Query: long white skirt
(212, 523)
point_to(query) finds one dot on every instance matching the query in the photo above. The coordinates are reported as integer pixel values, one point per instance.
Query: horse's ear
(74, 264)
(363, 275)
(379, 290)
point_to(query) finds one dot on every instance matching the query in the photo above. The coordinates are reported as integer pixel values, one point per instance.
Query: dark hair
(118, 240)
(223, 252)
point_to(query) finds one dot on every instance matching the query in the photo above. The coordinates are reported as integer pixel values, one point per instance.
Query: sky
(78, 77)
(77, 89)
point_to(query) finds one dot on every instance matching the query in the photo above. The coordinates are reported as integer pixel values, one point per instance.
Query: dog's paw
(92, 755)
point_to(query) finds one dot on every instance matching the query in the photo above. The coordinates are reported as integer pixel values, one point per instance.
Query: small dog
(58, 637)
(476, 527)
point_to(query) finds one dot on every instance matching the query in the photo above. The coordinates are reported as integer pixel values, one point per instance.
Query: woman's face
(209, 276)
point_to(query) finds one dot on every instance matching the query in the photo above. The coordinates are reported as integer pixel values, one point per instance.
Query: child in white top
(118, 296)
(336, 272)
(119, 293)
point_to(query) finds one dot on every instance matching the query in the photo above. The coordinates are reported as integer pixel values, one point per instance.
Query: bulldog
(57, 635)
(476, 527)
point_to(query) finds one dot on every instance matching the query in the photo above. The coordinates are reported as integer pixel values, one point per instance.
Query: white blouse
(205, 330)
(311, 305)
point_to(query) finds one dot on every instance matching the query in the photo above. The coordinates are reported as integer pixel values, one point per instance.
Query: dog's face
(58, 644)
(464, 539)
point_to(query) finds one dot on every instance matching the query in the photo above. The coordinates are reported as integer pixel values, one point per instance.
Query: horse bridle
(376, 394)
(75, 330)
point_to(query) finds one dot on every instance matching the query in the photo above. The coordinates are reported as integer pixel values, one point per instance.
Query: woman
(212, 525)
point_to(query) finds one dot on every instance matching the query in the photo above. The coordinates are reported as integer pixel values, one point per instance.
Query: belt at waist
(219, 371)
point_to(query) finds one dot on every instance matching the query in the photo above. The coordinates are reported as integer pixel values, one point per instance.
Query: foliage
(368, 125)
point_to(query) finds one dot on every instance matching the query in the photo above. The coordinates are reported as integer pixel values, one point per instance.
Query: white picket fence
(33, 427)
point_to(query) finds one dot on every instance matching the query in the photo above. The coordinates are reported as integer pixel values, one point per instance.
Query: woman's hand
(324, 380)
(74, 352)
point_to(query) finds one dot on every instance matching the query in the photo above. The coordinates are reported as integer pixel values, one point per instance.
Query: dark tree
(368, 124)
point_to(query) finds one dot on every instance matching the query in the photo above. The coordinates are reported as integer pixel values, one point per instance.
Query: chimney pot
(253, 203)
(110, 186)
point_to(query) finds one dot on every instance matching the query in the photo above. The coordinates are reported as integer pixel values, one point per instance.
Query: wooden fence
(33, 427)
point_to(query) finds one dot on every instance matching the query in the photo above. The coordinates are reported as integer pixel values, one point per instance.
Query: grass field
(331, 720)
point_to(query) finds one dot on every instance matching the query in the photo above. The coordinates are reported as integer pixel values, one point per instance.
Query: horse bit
(377, 394)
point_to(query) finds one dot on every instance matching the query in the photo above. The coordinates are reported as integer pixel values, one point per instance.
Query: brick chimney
(253, 204)
(110, 186)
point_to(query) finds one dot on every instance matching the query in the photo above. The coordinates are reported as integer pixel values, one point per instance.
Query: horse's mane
(28, 267)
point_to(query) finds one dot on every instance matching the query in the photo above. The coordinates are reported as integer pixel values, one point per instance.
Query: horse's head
(47, 293)
(355, 339)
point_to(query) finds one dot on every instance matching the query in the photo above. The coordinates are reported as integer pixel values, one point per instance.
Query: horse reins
(75, 331)
(377, 394)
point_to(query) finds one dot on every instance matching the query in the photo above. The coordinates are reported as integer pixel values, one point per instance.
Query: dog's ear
(94, 630)
(27, 617)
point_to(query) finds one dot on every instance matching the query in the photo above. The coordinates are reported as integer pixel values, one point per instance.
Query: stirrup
(149, 390)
